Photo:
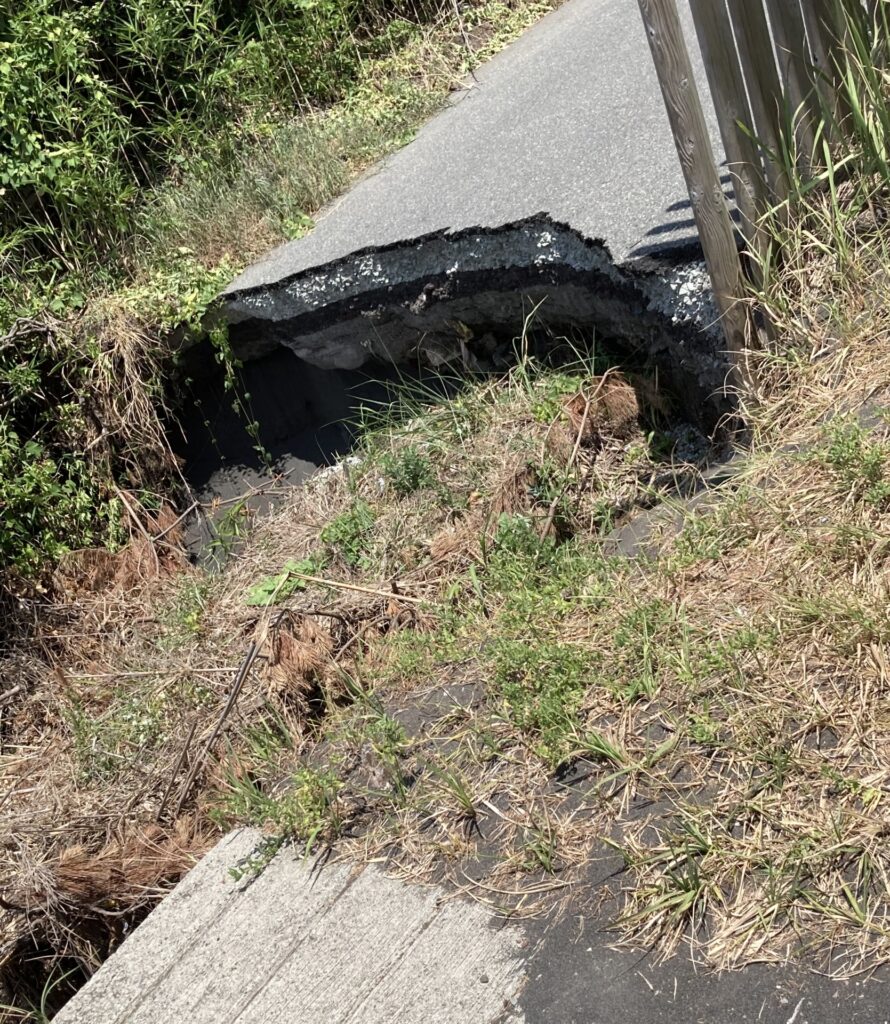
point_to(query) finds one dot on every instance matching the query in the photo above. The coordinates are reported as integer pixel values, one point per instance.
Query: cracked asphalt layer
(567, 121)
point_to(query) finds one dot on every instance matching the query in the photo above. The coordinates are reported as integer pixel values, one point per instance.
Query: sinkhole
(322, 347)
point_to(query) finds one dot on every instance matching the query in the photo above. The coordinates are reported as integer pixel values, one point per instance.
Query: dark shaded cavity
(322, 345)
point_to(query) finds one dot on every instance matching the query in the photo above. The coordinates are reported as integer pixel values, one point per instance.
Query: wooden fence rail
(772, 68)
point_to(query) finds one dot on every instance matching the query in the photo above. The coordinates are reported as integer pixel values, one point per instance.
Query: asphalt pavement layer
(567, 121)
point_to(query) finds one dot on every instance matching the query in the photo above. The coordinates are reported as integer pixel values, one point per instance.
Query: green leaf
(274, 589)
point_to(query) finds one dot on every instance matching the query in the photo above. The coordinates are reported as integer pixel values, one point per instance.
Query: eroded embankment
(321, 345)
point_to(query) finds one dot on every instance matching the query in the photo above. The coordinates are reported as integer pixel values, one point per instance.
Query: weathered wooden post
(715, 38)
(709, 206)
(762, 79)
(795, 64)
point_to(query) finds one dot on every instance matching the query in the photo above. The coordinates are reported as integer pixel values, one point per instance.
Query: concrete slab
(305, 942)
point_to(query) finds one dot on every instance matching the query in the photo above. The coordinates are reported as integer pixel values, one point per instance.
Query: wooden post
(721, 61)
(786, 19)
(762, 79)
(822, 33)
(693, 144)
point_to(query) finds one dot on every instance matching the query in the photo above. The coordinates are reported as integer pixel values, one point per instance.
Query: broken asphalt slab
(492, 211)
(548, 181)
(334, 943)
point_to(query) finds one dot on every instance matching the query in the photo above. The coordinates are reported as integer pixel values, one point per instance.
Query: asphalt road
(568, 121)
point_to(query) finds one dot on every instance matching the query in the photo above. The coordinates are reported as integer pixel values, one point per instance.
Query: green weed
(183, 616)
(540, 848)
(595, 744)
(549, 391)
(42, 1012)
(637, 644)
(407, 471)
(349, 536)
(858, 460)
(704, 729)
(107, 744)
(714, 530)
(454, 784)
(305, 807)
(413, 655)
(543, 684)
(683, 890)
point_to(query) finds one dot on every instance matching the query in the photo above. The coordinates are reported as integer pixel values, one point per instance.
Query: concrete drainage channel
(320, 345)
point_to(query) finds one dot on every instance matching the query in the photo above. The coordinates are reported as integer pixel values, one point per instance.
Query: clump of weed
(302, 807)
(407, 471)
(291, 580)
(543, 684)
(349, 536)
(637, 641)
(857, 459)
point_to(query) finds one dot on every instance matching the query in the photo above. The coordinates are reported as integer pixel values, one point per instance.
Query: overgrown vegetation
(149, 151)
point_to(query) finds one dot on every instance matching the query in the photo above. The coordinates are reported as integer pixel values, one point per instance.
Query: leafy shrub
(100, 98)
(47, 507)
(79, 416)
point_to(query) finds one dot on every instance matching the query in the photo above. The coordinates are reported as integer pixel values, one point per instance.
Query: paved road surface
(311, 943)
(568, 121)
